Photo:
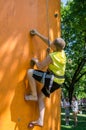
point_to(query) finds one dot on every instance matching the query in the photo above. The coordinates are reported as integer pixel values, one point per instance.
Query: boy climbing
(52, 79)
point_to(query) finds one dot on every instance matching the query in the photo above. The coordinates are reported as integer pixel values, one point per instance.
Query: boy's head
(67, 99)
(59, 43)
(74, 98)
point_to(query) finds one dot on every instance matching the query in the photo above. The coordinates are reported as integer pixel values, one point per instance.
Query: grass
(81, 122)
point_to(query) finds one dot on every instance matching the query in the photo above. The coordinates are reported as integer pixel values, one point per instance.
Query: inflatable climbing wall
(17, 47)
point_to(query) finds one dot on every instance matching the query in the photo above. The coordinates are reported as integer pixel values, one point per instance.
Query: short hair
(67, 99)
(74, 96)
(59, 42)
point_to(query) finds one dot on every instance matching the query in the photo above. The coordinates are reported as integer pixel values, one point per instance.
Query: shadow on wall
(14, 62)
(22, 112)
(16, 52)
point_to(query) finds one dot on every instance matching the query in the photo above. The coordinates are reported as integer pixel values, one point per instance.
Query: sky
(64, 1)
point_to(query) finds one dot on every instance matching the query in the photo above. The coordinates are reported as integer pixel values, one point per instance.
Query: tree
(73, 24)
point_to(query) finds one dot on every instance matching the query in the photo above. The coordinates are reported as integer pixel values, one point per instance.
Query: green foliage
(73, 24)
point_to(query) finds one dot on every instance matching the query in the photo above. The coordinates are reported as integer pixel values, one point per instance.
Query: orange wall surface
(17, 47)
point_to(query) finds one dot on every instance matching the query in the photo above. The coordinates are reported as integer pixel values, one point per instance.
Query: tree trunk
(70, 93)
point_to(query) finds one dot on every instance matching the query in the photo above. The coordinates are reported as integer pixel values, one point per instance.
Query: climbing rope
(48, 26)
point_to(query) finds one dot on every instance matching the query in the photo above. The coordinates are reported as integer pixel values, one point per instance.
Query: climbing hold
(56, 15)
(32, 33)
(32, 63)
(19, 119)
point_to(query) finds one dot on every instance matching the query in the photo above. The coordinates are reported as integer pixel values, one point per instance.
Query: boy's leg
(67, 121)
(67, 118)
(75, 119)
(40, 120)
(41, 107)
(32, 83)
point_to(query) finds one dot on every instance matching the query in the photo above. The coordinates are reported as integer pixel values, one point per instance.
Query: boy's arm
(45, 39)
(42, 64)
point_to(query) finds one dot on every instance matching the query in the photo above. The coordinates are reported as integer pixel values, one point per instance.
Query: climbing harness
(57, 76)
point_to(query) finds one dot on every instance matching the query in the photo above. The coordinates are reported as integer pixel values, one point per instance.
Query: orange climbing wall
(17, 18)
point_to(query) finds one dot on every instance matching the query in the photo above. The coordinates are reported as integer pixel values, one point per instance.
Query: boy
(74, 106)
(67, 110)
(52, 79)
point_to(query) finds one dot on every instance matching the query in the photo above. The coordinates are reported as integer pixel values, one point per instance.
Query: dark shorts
(67, 113)
(45, 78)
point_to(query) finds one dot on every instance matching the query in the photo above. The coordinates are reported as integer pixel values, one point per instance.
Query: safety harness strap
(57, 76)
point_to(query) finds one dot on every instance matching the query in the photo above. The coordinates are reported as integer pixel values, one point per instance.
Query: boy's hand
(48, 50)
(33, 32)
(33, 61)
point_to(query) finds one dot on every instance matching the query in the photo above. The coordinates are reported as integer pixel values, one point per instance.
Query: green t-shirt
(58, 65)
